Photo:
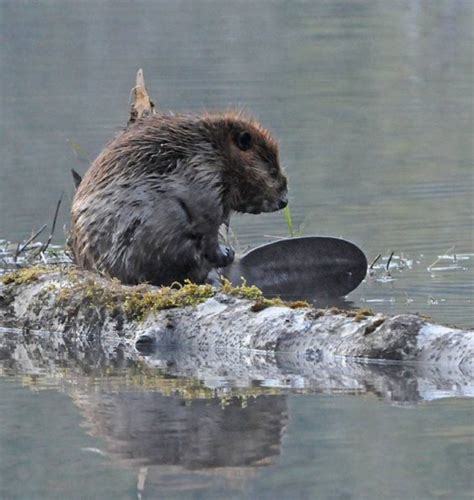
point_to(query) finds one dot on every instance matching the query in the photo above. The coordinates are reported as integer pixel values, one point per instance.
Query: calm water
(372, 103)
(99, 438)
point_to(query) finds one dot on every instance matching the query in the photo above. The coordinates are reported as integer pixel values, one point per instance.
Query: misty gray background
(372, 104)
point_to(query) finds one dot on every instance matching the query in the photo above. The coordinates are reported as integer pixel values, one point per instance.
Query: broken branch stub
(142, 105)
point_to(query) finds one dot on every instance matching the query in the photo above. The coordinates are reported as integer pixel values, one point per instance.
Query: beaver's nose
(283, 203)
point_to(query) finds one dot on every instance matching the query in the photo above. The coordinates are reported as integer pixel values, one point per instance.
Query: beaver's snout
(283, 202)
(270, 206)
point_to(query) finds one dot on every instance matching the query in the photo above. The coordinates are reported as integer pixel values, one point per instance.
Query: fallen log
(87, 309)
(67, 323)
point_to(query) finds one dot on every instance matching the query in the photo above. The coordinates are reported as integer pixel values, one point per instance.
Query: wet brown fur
(150, 206)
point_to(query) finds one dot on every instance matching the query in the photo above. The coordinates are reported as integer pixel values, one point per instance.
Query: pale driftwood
(222, 338)
(225, 321)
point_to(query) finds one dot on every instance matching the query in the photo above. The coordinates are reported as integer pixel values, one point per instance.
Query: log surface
(85, 308)
(61, 321)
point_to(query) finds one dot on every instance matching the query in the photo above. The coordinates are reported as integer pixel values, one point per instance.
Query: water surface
(94, 438)
(372, 103)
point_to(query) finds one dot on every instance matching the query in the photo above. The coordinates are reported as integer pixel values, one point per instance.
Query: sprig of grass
(81, 155)
(289, 220)
(293, 232)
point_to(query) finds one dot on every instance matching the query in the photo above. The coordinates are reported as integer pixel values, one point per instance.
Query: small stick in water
(451, 249)
(50, 237)
(389, 261)
(16, 252)
(375, 261)
(30, 240)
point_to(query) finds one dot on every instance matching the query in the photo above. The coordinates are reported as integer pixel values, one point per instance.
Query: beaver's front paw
(229, 255)
(224, 256)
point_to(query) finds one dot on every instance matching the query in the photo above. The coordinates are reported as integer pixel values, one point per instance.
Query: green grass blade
(289, 220)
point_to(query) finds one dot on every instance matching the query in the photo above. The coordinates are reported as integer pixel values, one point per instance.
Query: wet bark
(86, 310)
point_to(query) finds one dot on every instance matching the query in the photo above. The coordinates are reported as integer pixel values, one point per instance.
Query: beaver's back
(150, 206)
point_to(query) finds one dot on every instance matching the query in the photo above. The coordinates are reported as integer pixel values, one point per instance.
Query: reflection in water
(409, 383)
(149, 428)
(220, 422)
(231, 372)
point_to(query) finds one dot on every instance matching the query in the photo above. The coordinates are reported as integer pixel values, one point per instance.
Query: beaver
(150, 206)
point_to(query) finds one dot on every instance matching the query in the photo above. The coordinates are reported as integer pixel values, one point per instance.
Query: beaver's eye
(244, 141)
(273, 173)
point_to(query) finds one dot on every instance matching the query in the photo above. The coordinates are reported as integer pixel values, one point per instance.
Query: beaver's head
(253, 178)
(227, 152)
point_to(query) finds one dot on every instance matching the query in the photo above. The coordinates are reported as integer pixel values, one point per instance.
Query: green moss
(140, 301)
(297, 304)
(361, 314)
(357, 314)
(262, 303)
(243, 291)
(26, 275)
(83, 290)
(135, 302)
